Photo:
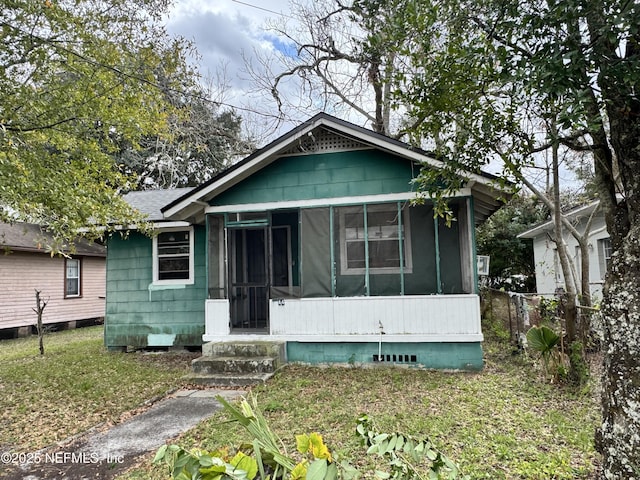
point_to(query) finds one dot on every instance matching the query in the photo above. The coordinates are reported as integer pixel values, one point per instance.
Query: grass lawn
(76, 385)
(502, 423)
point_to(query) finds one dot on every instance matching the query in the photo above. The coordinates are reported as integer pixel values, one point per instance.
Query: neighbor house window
(386, 230)
(604, 256)
(173, 256)
(72, 277)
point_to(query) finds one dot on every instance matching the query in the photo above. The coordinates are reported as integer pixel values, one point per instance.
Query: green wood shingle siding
(325, 175)
(139, 313)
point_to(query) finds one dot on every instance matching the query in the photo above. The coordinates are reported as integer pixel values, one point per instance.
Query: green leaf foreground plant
(267, 457)
(405, 453)
(544, 340)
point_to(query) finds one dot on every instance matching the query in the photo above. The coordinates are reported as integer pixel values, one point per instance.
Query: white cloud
(224, 33)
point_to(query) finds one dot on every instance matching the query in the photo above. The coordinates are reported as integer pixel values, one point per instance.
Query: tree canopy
(79, 79)
(335, 66)
(201, 141)
(507, 79)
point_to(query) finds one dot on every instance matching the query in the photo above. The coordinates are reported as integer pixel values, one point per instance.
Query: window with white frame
(386, 230)
(72, 277)
(604, 255)
(173, 256)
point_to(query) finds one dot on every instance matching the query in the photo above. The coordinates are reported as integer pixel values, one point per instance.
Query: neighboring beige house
(73, 285)
(548, 271)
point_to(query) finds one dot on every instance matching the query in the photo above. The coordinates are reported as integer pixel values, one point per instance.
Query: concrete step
(240, 365)
(229, 379)
(244, 349)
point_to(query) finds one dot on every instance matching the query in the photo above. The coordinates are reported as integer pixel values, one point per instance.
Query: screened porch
(343, 273)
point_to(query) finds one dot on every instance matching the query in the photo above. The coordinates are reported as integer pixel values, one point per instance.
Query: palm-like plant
(543, 340)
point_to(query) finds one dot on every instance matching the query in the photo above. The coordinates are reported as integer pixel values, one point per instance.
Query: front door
(249, 278)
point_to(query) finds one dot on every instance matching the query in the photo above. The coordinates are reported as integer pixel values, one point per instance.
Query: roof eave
(548, 226)
(18, 248)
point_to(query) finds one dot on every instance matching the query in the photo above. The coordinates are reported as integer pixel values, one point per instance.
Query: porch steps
(237, 364)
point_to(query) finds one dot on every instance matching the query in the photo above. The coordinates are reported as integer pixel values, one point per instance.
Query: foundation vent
(396, 358)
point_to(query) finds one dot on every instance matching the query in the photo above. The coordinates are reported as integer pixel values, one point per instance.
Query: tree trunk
(619, 438)
(571, 311)
(40, 304)
(584, 324)
(378, 87)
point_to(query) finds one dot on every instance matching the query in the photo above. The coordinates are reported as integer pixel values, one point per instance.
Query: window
(72, 277)
(385, 229)
(604, 255)
(173, 257)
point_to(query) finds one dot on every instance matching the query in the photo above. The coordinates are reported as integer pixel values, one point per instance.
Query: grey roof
(150, 202)
(574, 213)
(28, 237)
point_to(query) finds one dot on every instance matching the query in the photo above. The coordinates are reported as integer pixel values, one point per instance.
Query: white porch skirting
(410, 318)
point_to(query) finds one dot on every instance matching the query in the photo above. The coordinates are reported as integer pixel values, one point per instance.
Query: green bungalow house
(313, 241)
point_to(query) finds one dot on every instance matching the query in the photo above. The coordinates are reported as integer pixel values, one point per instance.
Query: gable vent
(396, 358)
(321, 140)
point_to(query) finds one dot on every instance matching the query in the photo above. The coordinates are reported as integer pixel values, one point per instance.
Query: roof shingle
(150, 202)
(28, 237)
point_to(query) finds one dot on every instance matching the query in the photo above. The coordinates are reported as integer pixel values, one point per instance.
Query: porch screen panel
(387, 227)
(215, 251)
(350, 250)
(315, 237)
(291, 221)
(385, 284)
(450, 267)
(422, 279)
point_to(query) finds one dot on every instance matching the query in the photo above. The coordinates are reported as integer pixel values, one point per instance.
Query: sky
(226, 32)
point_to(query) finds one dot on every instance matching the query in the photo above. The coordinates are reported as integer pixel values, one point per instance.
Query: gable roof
(574, 214)
(28, 237)
(293, 142)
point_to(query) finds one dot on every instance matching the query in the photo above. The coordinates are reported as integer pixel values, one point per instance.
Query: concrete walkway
(104, 454)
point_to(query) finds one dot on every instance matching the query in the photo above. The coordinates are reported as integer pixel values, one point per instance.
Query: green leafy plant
(548, 309)
(545, 341)
(265, 456)
(404, 453)
(542, 339)
(199, 464)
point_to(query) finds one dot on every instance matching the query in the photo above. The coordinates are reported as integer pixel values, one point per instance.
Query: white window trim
(66, 278)
(406, 243)
(602, 255)
(185, 281)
